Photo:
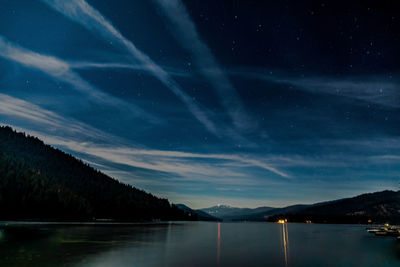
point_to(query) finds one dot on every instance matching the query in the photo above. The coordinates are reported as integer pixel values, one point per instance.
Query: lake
(194, 244)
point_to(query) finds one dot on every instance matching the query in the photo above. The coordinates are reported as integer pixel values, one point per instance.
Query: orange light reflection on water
(285, 239)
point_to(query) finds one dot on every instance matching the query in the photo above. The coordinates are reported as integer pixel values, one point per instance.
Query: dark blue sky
(246, 103)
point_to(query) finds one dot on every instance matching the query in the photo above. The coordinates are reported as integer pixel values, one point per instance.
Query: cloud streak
(81, 138)
(112, 65)
(16, 108)
(126, 152)
(184, 29)
(182, 164)
(61, 71)
(175, 162)
(374, 90)
(83, 13)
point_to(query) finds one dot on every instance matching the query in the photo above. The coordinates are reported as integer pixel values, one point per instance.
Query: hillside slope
(40, 182)
(378, 207)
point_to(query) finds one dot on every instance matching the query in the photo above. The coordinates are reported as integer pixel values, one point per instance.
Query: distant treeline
(40, 182)
(378, 207)
(334, 219)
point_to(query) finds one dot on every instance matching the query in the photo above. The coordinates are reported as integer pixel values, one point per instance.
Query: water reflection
(285, 243)
(34, 244)
(219, 244)
(195, 244)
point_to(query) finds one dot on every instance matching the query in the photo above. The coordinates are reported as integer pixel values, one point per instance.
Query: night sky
(246, 103)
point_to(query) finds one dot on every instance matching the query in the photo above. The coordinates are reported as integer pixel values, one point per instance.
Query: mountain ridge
(379, 207)
(40, 182)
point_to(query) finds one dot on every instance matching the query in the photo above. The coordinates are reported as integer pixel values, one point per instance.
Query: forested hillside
(378, 207)
(40, 182)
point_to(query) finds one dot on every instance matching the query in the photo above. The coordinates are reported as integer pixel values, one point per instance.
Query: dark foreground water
(194, 244)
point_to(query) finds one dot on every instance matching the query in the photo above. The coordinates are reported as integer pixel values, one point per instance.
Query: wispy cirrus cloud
(86, 15)
(369, 90)
(18, 109)
(184, 30)
(374, 89)
(134, 67)
(184, 164)
(386, 158)
(82, 138)
(61, 71)
(248, 161)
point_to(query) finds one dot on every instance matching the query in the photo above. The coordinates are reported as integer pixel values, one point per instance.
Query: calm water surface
(195, 244)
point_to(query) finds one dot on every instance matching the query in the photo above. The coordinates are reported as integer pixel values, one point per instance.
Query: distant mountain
(42, 183)
(197, 214)
(379, 207)
(264, 215)
(232, 213)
